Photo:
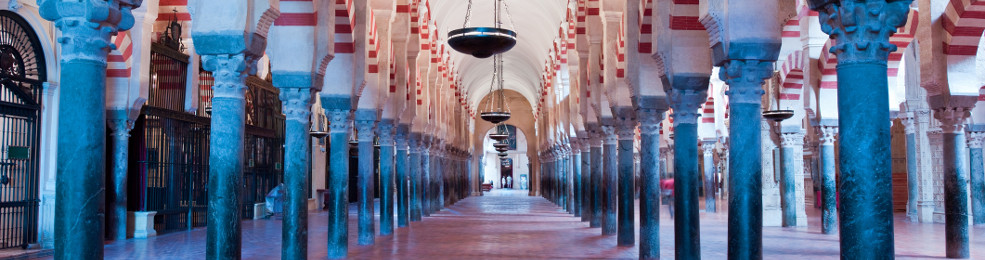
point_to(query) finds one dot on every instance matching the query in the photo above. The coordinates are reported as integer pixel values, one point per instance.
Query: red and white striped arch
(118, 63)
(685, 16)
(345, 21)
(792, 79)
(964, 22)
(646, 27)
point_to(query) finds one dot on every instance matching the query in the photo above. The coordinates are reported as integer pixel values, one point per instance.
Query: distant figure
(503, 183)
(523, 182)
(667, 190)
(509, 181)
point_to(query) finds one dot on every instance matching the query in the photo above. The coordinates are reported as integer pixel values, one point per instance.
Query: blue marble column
(365, 124)
(596, 220)
(576, 175)
(385, 132)
(955, 181)
(863, 107)
(650, 183)
(788, 192)
(403, 178)
(708, 153)
(829, 215)
(975, 143)
(610, 180)
(626, 131)
(414, 169)
(586, 179)
(338, 112)
(425, 182)
(120, 126)
(745, 198)
(81, 164)
(686, 102)
(226, 147)
(296, 102)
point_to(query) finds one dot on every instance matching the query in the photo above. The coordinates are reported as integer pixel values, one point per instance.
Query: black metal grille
(22, 68)
(169, 74)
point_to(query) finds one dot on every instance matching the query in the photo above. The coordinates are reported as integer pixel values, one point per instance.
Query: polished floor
(511, 225)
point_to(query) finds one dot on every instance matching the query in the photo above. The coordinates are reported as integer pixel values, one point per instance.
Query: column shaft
(866, 180)
(977, 184)
(338, 195)
(686, 229)
(386, 189)
(226, 149)
(955, 196)
(649, 188)
(788, 191)
(829, 215)
(294, 238)
(709, 167)
(120, 126)
(576, 176)
(627, 188)
(610, 186)
(596, 220)
(402, 182)
(425, 183)
(367, 229)
(586, 186)
(414, 187)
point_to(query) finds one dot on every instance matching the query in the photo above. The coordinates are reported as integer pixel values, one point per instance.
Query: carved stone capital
(385, 131)
(338, 120)
(87, 25)
(686, 103)
(791, 139)
(975, 139)
(828, 135)
(952, 118)
(609, 134)
(120, 126)
(400, 136)
(909, 123)
(626, 128)
(365, 130)
(229, 72)
(650, 120)
(745, 79)
(708, 148)
(861, 29)
(296, 103)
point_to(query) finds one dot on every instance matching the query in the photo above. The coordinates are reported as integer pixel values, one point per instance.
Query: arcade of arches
(294, 129)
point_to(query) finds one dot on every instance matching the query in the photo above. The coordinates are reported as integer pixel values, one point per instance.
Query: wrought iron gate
(22, 69)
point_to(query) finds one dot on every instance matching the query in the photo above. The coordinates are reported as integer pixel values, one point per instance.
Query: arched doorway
(22, 70)
(512, 171)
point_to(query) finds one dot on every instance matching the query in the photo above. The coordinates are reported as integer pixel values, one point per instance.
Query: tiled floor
(506, 224)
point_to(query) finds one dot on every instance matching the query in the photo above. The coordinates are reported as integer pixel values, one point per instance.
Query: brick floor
(506, 224)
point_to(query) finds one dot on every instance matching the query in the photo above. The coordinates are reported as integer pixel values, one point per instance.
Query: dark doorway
(506, 171)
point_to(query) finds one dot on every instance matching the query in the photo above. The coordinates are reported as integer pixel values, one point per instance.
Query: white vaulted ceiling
(537, 23)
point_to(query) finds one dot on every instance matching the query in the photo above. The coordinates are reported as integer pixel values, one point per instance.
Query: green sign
(18, 153)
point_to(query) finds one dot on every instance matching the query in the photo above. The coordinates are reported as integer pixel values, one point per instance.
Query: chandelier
(496, 111)
(484, 42)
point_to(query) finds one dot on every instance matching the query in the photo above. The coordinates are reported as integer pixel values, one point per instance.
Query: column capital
(86, 25)
(952, 118)
(609, 134)
(708, 147)
(229, 71)
(296, 103)
(650, 120)
(385, 130)
(861, 29)
(400, 136)
(626, 128)
(338, 120)
(119, 123)
(909, 123)
(686, 103)
(828, 134)
(365, 130)
(975, 139)
(791, 139)
(745, 79)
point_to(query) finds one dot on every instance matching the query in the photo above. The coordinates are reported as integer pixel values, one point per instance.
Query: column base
(143, 224)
